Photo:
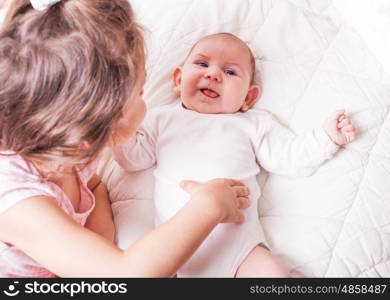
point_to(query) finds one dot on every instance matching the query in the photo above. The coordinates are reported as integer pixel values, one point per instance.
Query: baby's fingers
(348, 128)
(342, 117)
(350, 136)
(344, 122)
(337, 114)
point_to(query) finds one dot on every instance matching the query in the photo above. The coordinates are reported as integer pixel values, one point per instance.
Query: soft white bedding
(310, 62)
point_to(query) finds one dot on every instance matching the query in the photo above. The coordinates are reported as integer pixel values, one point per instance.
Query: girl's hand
(224, 197)
(339, 128)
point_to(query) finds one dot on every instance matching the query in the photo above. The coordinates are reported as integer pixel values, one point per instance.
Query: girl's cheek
(144, 109)
(142, 112)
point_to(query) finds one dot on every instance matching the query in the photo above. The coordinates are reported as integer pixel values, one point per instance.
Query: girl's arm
(101, 219)
(43, 231)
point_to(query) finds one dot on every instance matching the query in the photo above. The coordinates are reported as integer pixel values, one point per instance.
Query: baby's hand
(339, 128)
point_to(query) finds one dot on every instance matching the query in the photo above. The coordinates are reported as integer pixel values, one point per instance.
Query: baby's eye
(230, 72)
(201, 64)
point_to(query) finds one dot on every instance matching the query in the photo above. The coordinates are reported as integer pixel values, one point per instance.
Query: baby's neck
(208, 113)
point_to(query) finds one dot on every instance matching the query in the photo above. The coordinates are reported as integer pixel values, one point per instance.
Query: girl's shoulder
(12, 165)
(19, 180)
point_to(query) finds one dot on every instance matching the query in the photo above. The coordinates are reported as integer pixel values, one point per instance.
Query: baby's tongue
(210, 93)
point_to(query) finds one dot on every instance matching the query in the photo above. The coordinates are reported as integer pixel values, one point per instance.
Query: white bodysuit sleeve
(137, 154)
(281, 152)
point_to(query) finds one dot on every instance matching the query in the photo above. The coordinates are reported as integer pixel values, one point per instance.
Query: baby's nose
(213, 74)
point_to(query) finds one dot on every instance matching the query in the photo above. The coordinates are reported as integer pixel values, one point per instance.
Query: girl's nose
(213, 73)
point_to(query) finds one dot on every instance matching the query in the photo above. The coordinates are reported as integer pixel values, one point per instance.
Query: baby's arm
(280, 151)
(138, 153)
(101, 220)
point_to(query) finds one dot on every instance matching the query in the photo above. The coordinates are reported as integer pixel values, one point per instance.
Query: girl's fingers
(342, 117)
(239, 218)
(189, 186)
(243, 202)
(241, 191)
(234, 182)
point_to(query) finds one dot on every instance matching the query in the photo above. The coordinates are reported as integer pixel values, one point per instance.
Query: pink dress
(20, 180)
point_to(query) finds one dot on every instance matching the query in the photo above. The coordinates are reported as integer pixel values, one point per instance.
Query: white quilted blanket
(312, 59)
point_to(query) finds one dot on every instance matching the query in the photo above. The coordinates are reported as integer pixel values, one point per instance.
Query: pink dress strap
(20, 180)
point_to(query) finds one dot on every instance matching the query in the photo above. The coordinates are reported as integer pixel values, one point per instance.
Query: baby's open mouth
(209, 93)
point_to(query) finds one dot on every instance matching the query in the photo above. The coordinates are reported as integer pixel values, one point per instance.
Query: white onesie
(189, 145)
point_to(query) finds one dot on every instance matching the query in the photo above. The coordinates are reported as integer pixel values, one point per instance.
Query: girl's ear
(252, 96)
(176, 77)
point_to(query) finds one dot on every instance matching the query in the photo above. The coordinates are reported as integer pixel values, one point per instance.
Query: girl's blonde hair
(66, 74)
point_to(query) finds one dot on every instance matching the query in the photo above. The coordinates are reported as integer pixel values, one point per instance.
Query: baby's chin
(207, 108)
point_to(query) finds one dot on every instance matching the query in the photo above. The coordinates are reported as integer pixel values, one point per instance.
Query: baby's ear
(252, 96)
(176, 77)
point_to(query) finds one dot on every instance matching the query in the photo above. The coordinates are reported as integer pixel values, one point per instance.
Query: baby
(212, 133)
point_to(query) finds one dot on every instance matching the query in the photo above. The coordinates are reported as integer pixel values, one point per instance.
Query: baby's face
(216, 77)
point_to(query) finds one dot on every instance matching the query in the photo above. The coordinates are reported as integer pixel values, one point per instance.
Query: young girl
(71, 83)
